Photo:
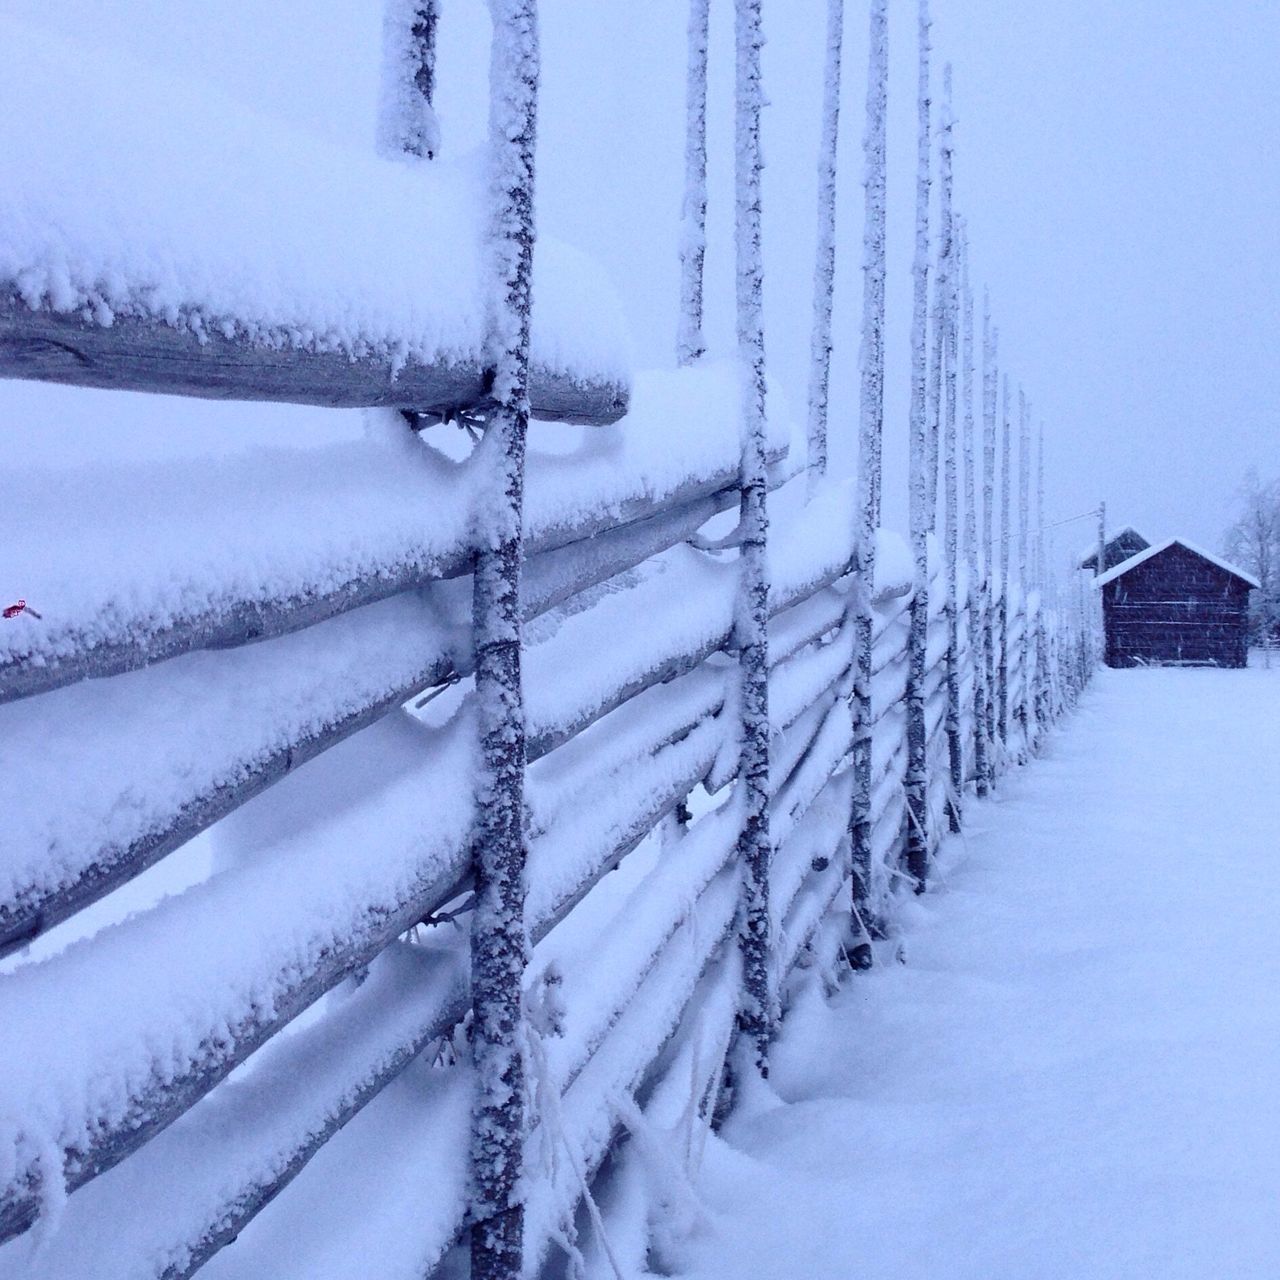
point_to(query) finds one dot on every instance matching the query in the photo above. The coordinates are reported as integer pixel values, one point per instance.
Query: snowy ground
(1076, 1073)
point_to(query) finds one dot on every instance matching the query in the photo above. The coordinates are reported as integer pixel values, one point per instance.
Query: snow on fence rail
(276, 1056)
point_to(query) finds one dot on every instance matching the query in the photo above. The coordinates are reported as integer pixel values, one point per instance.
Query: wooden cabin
(1127, 542)
(1175, 604)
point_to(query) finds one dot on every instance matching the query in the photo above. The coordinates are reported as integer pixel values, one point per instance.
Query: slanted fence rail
(177, 1071)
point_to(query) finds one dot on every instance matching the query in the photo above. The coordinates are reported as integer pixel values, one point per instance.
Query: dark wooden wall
(1177, 607)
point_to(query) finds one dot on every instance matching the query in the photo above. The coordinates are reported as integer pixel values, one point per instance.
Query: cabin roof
(1087, 555)
(1126, 566)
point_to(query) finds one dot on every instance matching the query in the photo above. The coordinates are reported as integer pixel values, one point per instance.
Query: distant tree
(1253, 542)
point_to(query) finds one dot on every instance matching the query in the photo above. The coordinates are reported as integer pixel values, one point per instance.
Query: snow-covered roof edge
(1091, 551)
(1135, 560)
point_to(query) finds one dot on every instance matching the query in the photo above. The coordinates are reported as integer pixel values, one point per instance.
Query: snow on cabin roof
(1091, 551)
(124, 192)
(1135, 560)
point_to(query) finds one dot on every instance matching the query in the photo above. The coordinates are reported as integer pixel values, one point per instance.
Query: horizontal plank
(336, 703)
(241, 1146)
(95, 651)
(153, 1107)
(134, 354)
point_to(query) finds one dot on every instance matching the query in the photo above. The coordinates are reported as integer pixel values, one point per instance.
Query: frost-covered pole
(1002, 714)
(407, 123)
(1098, 643)
(824, 271)
(942, 285)
(1044, 677)
(870, 433)
(974, 603)
(990, 385)
(1040, 552)
(951, 359)
(757, 1014)
(690, 344)
(1024, 576)
(499, 942)
(917, 770)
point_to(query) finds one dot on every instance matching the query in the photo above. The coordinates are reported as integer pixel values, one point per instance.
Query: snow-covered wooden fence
(311, 674)
(127, 1039)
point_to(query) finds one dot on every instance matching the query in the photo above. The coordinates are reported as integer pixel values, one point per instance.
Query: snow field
(1072, 1072)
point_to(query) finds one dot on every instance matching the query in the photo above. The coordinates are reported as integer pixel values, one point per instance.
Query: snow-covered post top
(1024, 493)
(1040, 549)
(499, 941)
(990, 395)
(920, 299)
(824, 270)
(757, 1013)
(407, 122)
(1006, 489)
(690, 344)
(966, 395)
(942, 291)
(871, 352)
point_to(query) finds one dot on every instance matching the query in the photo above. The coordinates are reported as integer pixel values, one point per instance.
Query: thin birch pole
(1044, 676)
(1099, 644)
(1024, 577)
(690, 343)
(975, 602)
(499, 941)
(1005, 488)
(757, 1015)
(951, 360)
(990, 386)
(824, 271)
(917, 769)
(407, 124)
(870, 434)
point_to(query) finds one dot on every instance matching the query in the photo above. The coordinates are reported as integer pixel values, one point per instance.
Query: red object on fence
(12, 611)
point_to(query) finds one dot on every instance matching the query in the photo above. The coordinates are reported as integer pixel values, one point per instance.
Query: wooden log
(550, 578)
(155, 1105)
(139, 354)
(248, 621)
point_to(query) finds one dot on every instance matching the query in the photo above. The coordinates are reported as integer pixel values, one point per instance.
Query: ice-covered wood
(921, 491)
(870, 444)
(499, 932)
(751, 625)
(143, 354)
(824, 271)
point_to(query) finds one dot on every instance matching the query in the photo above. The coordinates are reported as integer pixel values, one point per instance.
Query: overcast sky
(1120, 163)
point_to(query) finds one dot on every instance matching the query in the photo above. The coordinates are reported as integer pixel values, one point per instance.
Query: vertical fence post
(1044, 676)
(990, 385)
(870, 433)
(499, 941)
(1099, 646)
(690, 344)
(824, 269)
(1002, 715)
(949, 315)
(974, 602)
(407, 125)
(752, 634)
(917, 770)
(1024, 577)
